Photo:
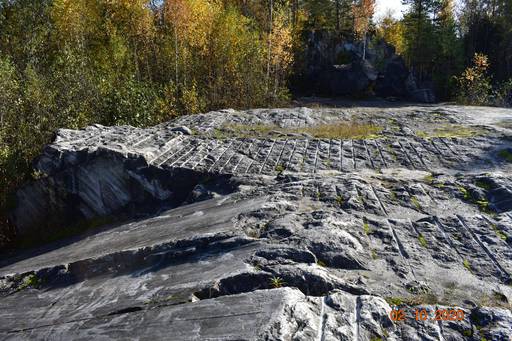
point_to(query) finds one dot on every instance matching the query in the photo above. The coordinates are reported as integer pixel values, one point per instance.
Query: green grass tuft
(423, 242)
(394, 301)
(277, 282)
(366, 227)
(416, 202)
(467, 265)
(506, 154)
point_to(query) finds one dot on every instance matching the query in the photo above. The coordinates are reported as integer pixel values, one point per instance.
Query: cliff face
(271, 224)
(335, 67)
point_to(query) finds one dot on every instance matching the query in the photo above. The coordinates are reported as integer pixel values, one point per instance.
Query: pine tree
(418, 35)
(449, 52)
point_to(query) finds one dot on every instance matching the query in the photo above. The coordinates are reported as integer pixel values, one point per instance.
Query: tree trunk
(338, 15)
(176, 54)
(269, 43)
(364, 46)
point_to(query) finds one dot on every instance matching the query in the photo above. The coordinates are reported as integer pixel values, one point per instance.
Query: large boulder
(271, 237)
(336, 66)
(391, 81)
(346, 80)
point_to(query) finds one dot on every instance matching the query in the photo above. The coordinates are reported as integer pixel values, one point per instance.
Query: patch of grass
(467, 332)
(423, 242)
(219, 134)
(335, 130)
(277, 282)
(280, 168)
(465, 192)
(467, 265)
(342, 130)
(366, 227)
(429, 179)
(506, 154)
(394, 301)
(483, 205)
(416, 202)
(449, 131)
(321, 263)
(439, 185)
(420, 299)
(393, 196)
(339, 200)
(30, 281)
(374, 255)
(499, 233)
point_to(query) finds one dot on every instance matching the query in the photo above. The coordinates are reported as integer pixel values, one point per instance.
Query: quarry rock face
(269, 224)
(336, 66)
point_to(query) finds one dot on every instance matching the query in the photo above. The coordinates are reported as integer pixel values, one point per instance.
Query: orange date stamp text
(425, 315)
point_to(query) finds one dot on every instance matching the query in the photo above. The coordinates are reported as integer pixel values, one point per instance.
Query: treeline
(465, 55)
(71, 63)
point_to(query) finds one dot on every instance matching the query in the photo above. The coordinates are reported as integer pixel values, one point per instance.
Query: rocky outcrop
(335, 67)
(247, 225)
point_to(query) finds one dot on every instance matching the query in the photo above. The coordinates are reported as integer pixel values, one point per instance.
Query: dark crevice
(125, 311)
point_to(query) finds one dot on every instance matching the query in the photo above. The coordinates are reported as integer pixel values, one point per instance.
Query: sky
(384, 5)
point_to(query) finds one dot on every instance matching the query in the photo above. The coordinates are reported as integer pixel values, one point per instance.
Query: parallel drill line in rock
(428, 194)
(204, 147)
(329, 151)
(350, 227)
(340, 156)
(220, 157)
(406, 154)
(357, 316)
(353, 154)
(316, 156)
(368, 153)
(280, 154)
(268, 155)
(171, 144)
(304, 156)
(504, 273)
(216, 145)
(380, 153)
(417, 154)
(192, 150)
(177, 154)
(141, 141)
(286, 166)
(243, 156)
(321, 326)
(440, 227)
(440, 155)
(231, 157)
(253, 158)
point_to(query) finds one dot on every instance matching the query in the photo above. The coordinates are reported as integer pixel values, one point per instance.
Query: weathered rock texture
(276, 236)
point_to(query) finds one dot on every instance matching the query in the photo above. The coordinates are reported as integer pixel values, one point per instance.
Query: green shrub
(474, 84)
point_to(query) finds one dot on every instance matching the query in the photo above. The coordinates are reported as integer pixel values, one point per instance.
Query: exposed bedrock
(259, 225)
